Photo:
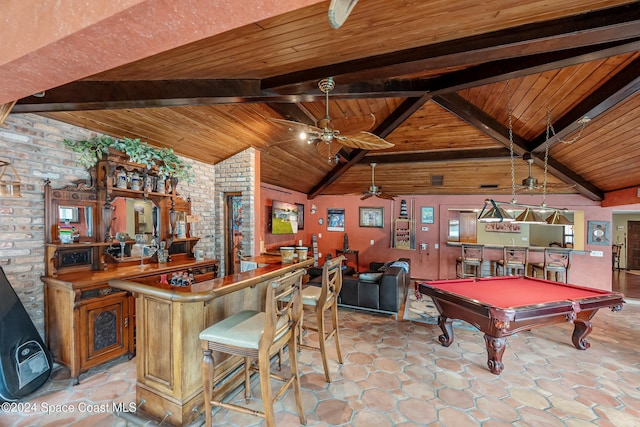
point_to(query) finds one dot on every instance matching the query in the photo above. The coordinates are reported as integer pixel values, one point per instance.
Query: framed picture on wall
(372, 217)
(598, 233)
(300, 207)
(426, 215)
(335, 219)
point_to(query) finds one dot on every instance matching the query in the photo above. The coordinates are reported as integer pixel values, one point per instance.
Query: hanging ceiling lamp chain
(546, 157)
(583, 123)
(513, 171)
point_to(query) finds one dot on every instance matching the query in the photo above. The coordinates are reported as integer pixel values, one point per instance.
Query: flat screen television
(284, 218)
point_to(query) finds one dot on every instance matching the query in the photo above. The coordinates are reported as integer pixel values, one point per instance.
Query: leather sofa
(382, 289)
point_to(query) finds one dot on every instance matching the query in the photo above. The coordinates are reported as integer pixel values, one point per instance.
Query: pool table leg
(446, 325)
(495, 349)
(581, 328)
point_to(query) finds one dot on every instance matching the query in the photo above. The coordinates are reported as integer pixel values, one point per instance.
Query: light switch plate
(596, 253)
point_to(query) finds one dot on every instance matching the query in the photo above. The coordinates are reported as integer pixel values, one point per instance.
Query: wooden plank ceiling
(433, 78)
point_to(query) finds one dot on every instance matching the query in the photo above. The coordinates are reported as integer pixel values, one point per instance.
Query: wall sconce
(314, 209)
(9, 188)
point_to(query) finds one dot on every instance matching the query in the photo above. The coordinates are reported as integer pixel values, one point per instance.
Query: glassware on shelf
(122, 237)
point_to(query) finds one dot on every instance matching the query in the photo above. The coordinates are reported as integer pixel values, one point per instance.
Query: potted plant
(168, 163)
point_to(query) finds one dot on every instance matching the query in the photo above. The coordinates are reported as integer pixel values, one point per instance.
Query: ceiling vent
(488, 185)
(437, 180)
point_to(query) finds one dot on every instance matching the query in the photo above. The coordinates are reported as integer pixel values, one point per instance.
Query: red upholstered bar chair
(515, 259)
(321, 299)
(556, 262)
(258, 335)
(473, 257)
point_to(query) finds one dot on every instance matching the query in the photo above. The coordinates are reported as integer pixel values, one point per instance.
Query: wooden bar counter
(168, 322)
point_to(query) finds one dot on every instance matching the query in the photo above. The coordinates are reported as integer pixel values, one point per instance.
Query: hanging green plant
(168, 163)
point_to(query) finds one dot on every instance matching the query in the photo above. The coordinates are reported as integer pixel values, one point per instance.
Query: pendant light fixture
(494, 214)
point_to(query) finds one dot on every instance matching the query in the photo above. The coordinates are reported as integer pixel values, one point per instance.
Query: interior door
(233, 215)
(633, 245)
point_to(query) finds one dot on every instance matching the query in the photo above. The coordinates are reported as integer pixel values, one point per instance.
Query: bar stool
(472, 256)
(321, 299)
(556, 261)
(615, 256)
(258, 335)
(514, 259)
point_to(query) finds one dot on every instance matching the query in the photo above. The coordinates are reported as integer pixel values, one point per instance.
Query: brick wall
(35, 147)
(236, 174)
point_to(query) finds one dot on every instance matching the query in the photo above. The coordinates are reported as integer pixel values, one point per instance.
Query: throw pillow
(370, 277)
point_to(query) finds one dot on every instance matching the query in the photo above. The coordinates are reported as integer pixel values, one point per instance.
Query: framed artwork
(372, 217)
(335, 219)
(426, 215)
(598, 233)
(503, 227)
(300, 207)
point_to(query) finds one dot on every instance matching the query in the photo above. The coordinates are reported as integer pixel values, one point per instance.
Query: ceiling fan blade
(364, 140)
(339, 10)
(295, 126)
(366, 196)
(350, 125)
(386, 196)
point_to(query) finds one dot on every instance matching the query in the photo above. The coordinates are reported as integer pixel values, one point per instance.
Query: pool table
(503, 306)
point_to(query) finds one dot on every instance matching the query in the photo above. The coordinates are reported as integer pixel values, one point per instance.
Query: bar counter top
(210, 289)
(83, 279)
(499, 246)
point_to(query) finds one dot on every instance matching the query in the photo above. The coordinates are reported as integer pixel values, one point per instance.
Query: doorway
(233, 232)
(633, 245)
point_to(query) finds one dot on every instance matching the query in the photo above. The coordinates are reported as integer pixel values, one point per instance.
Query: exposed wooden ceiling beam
(520, 66)
(620, 87)
(601, 26)
(395, 119)
(487, 124)
(293, 112)
(477, 118)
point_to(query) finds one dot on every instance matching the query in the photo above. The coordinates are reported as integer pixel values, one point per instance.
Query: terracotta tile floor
(397, 374)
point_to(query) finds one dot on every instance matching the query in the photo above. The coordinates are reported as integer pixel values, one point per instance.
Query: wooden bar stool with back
(321, 299)
(515, 259)
(258, 335)
(472, 256)
(557, 261)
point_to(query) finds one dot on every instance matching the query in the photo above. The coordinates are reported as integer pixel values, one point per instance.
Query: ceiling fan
(339, 11)
(323, 134)
(530, 183)
(375, 191)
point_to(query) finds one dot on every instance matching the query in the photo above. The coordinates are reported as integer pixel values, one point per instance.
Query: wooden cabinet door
(468, 224)
(104, 330)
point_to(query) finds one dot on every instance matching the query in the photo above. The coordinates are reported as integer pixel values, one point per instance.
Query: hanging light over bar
(556, 218)
(494, 214)
(530, 216)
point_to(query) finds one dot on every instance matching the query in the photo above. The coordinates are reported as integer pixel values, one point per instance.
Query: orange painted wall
(434, 263)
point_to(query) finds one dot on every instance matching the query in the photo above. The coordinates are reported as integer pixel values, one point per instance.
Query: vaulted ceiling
(435, 78)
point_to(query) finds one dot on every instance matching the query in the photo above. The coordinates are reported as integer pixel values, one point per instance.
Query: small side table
(346, 253)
